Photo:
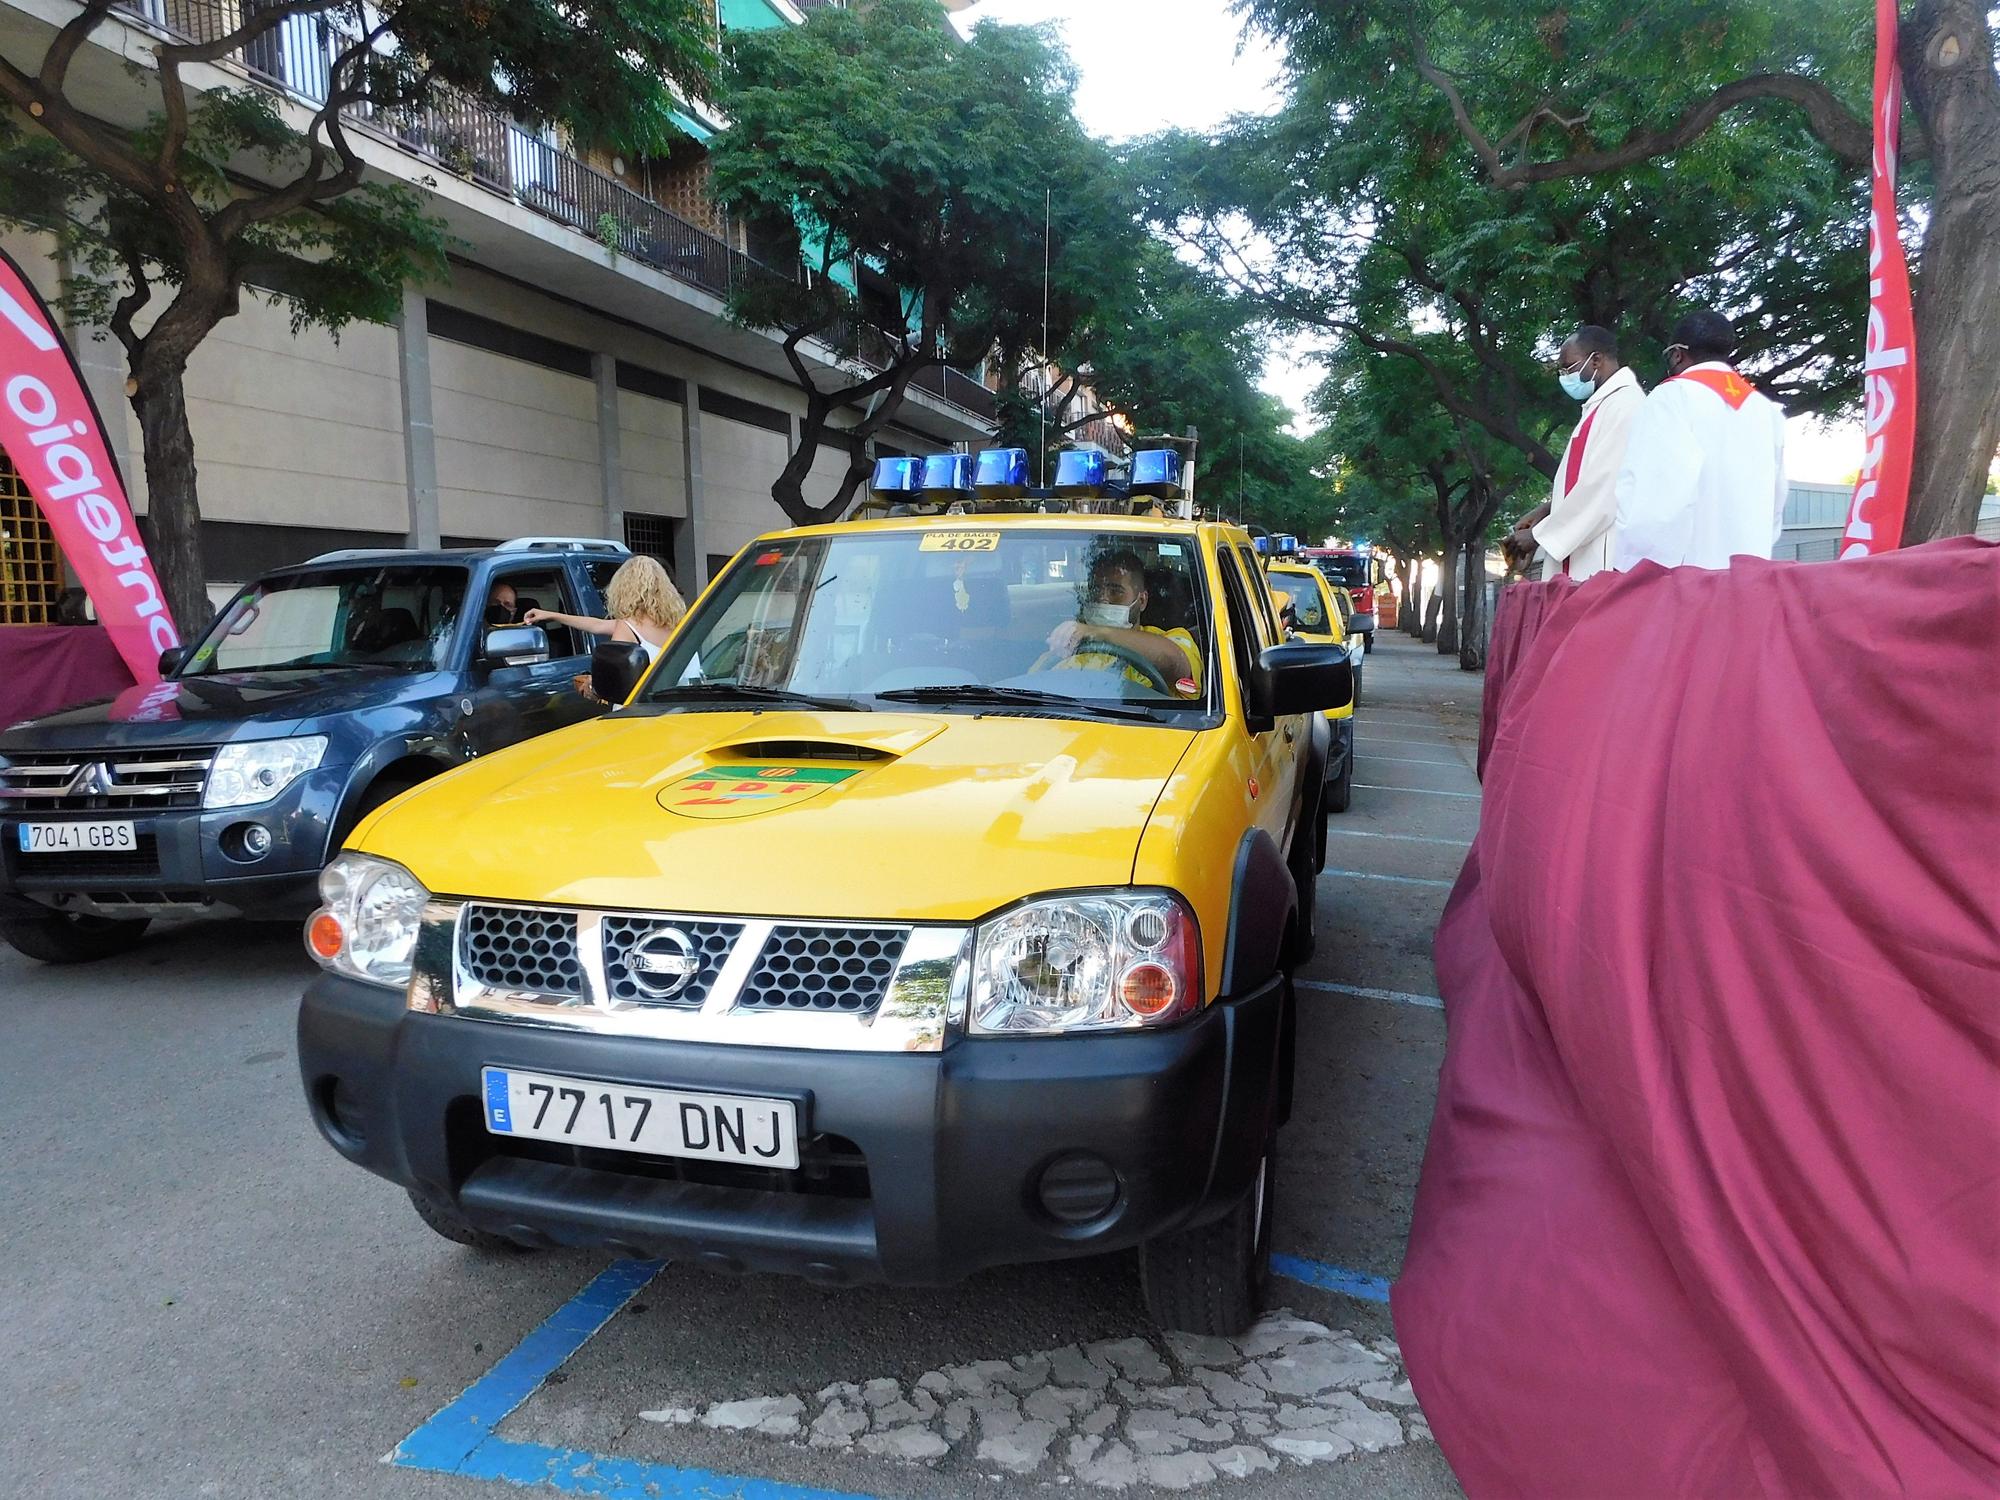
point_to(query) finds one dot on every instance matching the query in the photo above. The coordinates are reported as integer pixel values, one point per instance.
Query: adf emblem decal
(743, 791)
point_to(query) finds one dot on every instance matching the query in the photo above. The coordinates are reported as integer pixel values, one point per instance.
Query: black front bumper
(957, 1144)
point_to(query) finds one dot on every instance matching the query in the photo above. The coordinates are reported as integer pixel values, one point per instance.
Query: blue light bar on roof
(897, 476)
(1157, 472)
(1079, 472)
(948, 476)
(1001, 474)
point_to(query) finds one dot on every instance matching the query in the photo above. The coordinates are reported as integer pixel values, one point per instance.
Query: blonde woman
(643, 604)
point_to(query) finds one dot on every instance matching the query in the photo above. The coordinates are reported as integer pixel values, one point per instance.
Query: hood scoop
(782, 764)
(791, 750)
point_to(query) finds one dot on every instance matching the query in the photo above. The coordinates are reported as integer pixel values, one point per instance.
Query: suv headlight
(367, 925)
(1086, 962)
(252, 771)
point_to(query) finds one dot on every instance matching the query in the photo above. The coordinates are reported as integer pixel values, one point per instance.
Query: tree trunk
(173, 509)
(1448, 587)
(1412, 618)
(1472, 617)
(1948, 65)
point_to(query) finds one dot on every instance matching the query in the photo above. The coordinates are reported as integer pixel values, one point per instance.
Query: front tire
(1212, 1280)
(1340, 791)
(71, 937)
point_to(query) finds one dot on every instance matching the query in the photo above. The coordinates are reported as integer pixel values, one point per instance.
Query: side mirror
(615, 670)
(173, 659)
(514, 646)
(1300, 678)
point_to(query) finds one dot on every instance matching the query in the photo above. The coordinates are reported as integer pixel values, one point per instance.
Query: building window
(31, 570)
(650, 536)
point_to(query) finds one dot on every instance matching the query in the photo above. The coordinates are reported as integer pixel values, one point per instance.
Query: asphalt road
(198, 1298)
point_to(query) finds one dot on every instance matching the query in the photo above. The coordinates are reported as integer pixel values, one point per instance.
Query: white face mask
(1107, 614)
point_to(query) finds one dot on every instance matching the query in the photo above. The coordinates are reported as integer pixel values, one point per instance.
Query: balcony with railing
(484, 147)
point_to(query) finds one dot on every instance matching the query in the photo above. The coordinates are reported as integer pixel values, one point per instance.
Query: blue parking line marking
(460, 1438)
(448, 1439)
(1332, 1278)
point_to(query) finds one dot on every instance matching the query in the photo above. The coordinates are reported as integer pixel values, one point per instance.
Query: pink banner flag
(1889, 365)
(51, 432)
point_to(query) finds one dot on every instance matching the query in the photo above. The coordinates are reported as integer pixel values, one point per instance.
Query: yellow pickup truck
(928, 905)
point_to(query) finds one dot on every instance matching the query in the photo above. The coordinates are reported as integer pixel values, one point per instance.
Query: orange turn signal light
(324, 935)
(1148, 989)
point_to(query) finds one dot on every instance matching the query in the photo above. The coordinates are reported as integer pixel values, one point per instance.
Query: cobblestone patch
(1174, 1413)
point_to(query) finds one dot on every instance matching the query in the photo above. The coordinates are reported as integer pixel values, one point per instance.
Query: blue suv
(319, 692)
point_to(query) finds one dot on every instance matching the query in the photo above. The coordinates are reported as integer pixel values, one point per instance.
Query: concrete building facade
(576, 374)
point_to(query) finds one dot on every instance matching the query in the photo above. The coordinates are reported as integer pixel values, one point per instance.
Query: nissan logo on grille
(662, 963)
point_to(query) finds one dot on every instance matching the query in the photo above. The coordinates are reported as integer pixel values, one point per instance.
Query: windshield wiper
(726, 691)
(979, 693)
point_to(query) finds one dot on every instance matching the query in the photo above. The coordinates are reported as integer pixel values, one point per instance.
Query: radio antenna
(1048, 366)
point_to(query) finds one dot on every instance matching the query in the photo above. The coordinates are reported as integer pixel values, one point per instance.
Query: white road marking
(1411, 760)
(1362, 992)
(1406, 838)
(1428, 791)
(1398, 879)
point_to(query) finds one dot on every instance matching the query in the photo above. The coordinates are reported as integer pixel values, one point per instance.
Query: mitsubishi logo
(92, 779)
(662, 963)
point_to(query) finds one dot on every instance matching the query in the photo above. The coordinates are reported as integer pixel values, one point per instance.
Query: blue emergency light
(1001, 474)
(948, 476)
(1079, 472)
(1284, 544)
(900, 477)
(1156, 472)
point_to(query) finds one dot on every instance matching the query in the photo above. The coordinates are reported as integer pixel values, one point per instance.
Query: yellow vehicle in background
(929, 905)
(1312, 613)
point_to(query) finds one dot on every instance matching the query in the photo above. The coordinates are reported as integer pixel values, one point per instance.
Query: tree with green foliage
(1388, 243)
(1593, 95)
(928, 166)
(1421, 476)
(1168, 351)
(164, 227)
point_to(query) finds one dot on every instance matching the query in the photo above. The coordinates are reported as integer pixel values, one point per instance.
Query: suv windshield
(351, 617)
(1074, 619)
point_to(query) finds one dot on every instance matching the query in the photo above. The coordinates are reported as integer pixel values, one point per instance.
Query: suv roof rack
(348, 554)
(562, 544)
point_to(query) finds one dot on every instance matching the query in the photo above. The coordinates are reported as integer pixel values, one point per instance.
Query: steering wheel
(1153, 675)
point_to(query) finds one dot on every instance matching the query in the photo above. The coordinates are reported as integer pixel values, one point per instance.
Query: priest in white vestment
(1573, 531)
(1704, 474)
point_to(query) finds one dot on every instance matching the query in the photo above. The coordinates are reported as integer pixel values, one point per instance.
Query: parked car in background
(1312, 613)
(1354, 570)
(318, 693)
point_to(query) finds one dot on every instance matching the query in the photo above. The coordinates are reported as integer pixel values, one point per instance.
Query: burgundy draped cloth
(44, 668)
(1517, 619)
(1711, 1203)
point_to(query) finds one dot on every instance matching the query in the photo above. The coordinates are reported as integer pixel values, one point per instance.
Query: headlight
(366, 927)
(257, 770)
(1096, 962)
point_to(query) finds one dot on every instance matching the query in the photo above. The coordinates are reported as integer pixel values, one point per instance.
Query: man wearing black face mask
(1572, 529)
(1704, 473)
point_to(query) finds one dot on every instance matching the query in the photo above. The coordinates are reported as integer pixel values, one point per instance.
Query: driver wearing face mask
(1113, 607)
